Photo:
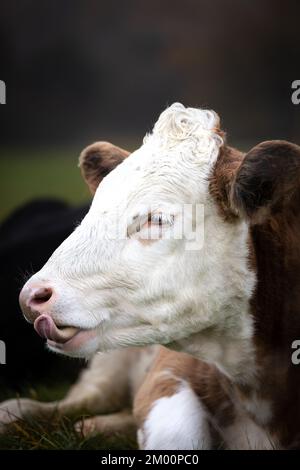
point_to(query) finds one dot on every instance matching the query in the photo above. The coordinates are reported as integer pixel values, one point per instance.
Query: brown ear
(99, 159)
(267, 181)
(221, 180)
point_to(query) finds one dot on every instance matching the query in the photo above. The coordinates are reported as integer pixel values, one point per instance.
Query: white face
(118, 289)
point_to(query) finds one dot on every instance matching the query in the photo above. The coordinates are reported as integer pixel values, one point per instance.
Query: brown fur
(220, 185)
(169, 369)
(266, 188)
(99, 159)
(267, 180)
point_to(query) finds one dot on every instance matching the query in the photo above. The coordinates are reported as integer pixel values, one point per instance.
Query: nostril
(41, 295)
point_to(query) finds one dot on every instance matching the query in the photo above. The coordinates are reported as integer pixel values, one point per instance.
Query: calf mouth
(62, 338)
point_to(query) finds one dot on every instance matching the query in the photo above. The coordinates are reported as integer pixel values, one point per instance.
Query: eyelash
(157, 218)
(160, 219)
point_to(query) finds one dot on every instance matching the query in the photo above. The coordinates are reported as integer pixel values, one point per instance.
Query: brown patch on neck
(221, 180)
(276, 301)
(274, 255)
(165, 378)
(275, 306)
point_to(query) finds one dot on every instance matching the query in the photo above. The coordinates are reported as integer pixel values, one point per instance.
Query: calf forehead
(182, 149)
(146, 173)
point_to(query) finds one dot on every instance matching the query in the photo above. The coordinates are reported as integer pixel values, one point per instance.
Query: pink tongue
(46, 328)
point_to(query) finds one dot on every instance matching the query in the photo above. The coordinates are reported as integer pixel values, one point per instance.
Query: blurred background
(83, 70)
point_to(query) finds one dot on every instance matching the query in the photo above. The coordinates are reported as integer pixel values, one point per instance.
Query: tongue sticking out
(46, 328)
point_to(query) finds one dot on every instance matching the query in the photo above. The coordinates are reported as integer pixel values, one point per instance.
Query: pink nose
(35, 300)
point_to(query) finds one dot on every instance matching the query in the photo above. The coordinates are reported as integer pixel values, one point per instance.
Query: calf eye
(152, 219)
(160, 219)
(156, 219)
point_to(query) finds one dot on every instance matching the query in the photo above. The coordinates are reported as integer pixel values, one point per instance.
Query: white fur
(259, 408)
(177, 422)
(106, 387)
(133, 293)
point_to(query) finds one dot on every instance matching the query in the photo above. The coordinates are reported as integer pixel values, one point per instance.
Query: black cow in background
(27, 239)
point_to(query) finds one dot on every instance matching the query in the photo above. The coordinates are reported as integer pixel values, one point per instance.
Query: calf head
(163, 254)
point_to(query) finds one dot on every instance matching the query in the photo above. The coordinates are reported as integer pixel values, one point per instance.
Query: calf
(232, 302)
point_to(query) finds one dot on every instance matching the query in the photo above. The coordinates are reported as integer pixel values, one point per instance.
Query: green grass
(55, 434)
(30, 174)
(58, 435)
